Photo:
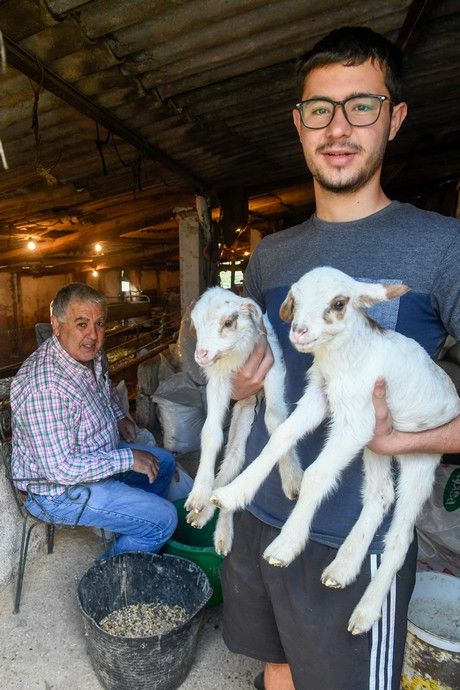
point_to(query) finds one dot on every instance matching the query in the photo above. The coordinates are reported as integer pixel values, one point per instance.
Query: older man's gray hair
(75, 292)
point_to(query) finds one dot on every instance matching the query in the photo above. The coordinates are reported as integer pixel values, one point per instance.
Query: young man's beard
(353, 183)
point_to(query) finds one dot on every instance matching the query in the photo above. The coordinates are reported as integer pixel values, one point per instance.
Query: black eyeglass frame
(382, 99)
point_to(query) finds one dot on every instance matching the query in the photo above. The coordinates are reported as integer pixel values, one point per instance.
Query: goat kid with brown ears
(351, 351)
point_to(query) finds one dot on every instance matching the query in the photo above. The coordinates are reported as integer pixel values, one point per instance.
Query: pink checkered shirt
(64, 422)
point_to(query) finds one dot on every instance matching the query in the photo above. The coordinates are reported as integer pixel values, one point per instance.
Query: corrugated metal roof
(198, 96)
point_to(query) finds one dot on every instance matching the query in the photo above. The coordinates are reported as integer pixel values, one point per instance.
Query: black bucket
(159, 662)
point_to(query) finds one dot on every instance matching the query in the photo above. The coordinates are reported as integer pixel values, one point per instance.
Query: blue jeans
(125, 504)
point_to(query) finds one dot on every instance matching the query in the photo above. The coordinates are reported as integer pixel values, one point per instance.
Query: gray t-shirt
(400, 243)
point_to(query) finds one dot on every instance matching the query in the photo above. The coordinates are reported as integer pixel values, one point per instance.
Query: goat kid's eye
(338, 305)
(228, 323)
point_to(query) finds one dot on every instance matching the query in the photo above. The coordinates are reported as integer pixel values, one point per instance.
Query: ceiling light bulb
(94, 273)
(31, 245)
(98, 247)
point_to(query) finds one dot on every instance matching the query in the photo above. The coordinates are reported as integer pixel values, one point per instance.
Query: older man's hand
(146, 463)
(127, 429)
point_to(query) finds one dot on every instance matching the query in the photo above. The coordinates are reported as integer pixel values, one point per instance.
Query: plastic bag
(181, 412)
(144, 437)
(439, 522)
(147, 376)
(167, 367)
(121, 391)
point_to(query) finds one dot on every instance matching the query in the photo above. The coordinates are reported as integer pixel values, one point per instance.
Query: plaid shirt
(64, 422)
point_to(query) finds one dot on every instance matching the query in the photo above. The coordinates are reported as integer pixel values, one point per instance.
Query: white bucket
(432, 657)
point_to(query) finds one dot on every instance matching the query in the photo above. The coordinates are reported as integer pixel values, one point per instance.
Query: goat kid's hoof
(222, 549)
(281, 552)
(193, 506)
(192, 513)
(291, 481)
(355, 630)
(291, 491)
(216, 501)
(291, 495)
(333, 577)
(193, 521)
(274, 560)
(360, 622)
(328, 582)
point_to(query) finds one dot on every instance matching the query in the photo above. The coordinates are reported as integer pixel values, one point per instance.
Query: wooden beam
(84, 235)
(29, 65)
(416, 17)
(31, 202)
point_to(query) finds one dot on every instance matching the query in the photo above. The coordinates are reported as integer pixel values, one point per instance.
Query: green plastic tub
(197, 546)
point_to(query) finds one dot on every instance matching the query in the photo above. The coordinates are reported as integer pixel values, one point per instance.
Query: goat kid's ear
(380, 292)
(251, 308)
(287, 308)
(396, 290)
(254, 310)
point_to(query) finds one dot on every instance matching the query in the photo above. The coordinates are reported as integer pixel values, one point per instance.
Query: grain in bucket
(432, 657)
(146, 661)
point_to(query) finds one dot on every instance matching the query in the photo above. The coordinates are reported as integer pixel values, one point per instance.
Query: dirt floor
(43, 646)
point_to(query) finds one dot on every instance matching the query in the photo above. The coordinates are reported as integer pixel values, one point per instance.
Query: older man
(66, 432)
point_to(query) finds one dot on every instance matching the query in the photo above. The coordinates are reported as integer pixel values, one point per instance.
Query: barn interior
(148, 145)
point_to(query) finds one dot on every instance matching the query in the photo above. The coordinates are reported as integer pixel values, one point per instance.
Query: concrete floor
(43, 645)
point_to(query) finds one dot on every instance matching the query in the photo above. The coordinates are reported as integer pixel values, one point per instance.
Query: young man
(350, 106)
(67, 426)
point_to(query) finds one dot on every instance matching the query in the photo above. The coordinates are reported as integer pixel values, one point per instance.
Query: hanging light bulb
(94, 273)
(98, 247)
(31, 245)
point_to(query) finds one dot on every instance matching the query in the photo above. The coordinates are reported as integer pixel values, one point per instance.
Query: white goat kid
(326, 308)
(227, 328)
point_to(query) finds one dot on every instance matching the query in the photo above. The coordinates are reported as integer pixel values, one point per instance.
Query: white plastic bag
(181, 411)
(439, 523)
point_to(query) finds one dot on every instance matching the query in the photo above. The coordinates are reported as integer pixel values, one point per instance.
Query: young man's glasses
(359, 111)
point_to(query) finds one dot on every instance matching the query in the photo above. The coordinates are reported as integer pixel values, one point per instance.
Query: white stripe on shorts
(382, 638)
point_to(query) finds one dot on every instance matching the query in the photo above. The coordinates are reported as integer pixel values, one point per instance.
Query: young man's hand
(250, 378)
(389, 441)
(383, 431)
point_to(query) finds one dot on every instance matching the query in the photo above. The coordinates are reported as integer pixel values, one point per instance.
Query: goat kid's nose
(299, 330)
(201, 354)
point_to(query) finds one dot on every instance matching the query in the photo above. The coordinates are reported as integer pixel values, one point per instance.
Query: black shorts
(285, 615)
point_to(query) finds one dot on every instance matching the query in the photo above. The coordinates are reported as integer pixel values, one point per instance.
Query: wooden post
(191, 258)
(254, 238)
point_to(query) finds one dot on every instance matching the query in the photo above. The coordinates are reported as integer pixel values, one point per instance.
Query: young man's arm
(389, 441)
